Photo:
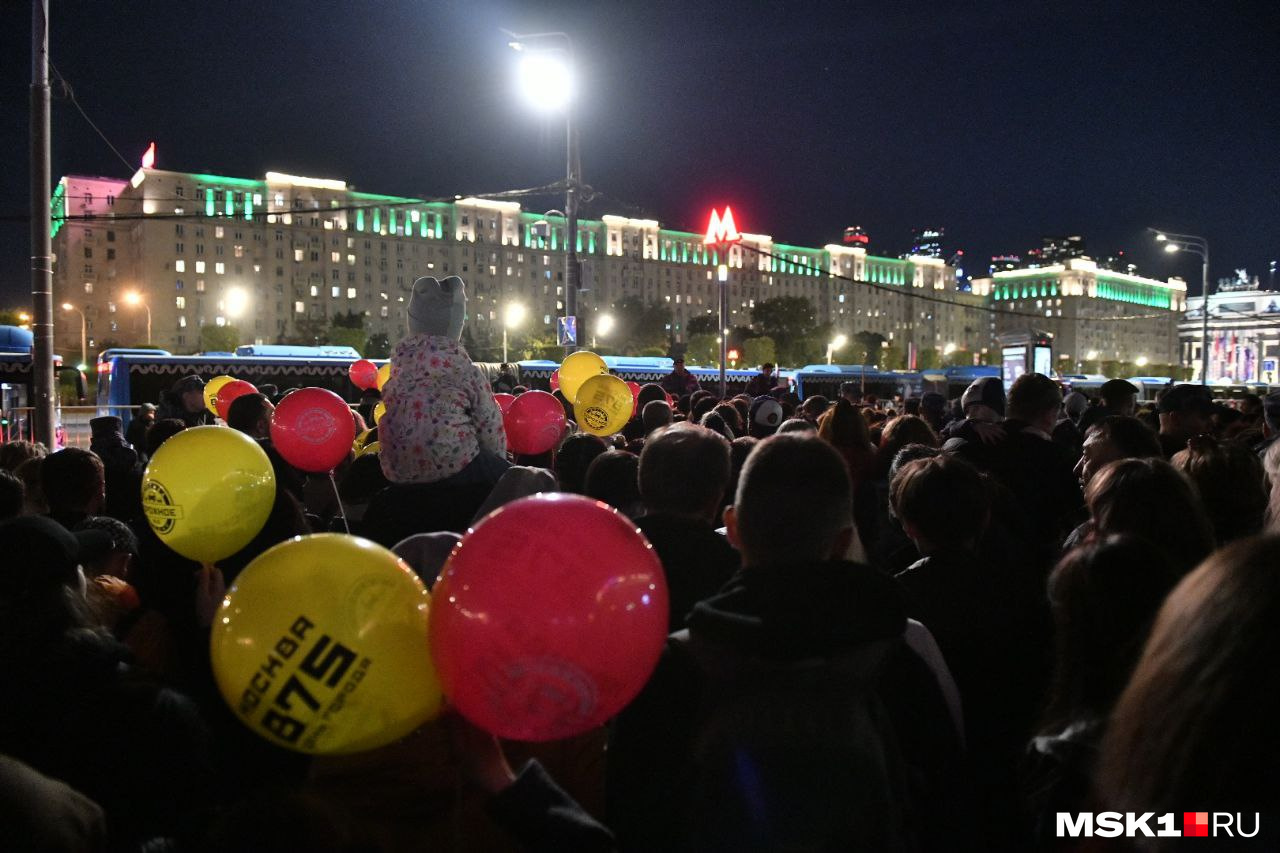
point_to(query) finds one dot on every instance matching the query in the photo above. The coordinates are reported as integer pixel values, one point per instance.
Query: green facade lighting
(208, 201)
(359, 219)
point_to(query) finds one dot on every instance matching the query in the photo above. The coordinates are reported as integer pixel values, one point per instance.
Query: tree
(893, 357)
(957, 358)
(788, 320)
(702, 348)
(308, 332)
(867, 347)
(377, 346)
(928, 358)
(703, 324)
(641, 324)
(346, 330)
(759, 350)
(219, 338)
(9, 317)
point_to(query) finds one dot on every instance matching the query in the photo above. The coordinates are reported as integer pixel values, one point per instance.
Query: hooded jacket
(778, 615)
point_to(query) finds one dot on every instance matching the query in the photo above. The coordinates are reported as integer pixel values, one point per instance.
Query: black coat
(697, 561)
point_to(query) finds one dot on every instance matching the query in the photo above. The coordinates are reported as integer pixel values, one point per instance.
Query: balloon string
(341, 510)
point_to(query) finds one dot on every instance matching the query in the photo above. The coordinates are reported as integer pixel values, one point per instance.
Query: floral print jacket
(440, 412)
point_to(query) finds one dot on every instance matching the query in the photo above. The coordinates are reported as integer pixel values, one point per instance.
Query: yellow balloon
(321, 646)
(208, 491)
(360, 440)
(378, 411)
(577, 368)
(384, 373)
(211, 392)
(375, 447)
(603, 405)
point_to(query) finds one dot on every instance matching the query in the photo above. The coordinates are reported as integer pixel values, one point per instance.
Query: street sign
(567, 331)
(721, 230)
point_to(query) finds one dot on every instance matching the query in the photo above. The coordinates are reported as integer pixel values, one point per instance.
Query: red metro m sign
(721, 230)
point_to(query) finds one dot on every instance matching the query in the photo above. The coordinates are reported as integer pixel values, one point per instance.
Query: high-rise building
(855, 236)
(1000, 263)
(927, 242)
(280, 257)
(1055, 250)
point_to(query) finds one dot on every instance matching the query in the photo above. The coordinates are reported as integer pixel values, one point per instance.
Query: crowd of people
(925, 625)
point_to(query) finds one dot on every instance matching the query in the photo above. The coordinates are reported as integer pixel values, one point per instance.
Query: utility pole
(41, 241)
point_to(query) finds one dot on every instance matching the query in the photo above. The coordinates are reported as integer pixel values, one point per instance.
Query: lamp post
(1196, 246)
(836, 343)
(546, 79)
(84, 349)
(134, 298)
(512, 316)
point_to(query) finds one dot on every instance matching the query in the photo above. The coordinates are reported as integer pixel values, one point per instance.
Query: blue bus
(127, 378)
(639, 369)
(825, 380)
(950, 382)
(17, 393)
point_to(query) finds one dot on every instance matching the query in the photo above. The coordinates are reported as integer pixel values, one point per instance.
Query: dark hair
(815, 405)
(161, 431)
(1104, 596)
(1231, 483)
(1131, 438)
(904, 430)
(72, 479)
(683, 470)
(1196, 723)
(797, 484)
(654, 414)
(122, 536)
(713, 421)
(613, 478)
(927, 495)
(732, 418)
(1151, 499)
(12, 494)
(844, 428)
(574, 457)
(648, 392)
(246, 410)
(910, 453)
(14, 453)
(701, 405)
(1031, 396)
(739, 449)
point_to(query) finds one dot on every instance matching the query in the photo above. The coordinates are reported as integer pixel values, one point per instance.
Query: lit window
(333, 292)
(180, 301)
(220, 268)
(315, 291)
(297, 255)
(217, 232)
(180, 265)
(351, 293)
(199, 267)
(298, 308)
(182, 321)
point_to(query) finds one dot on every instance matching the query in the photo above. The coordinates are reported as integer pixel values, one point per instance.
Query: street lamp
(604, 325)
(545, 75)
(1196, 246)
(24, 319)
(836, 343)
(236, 302)
(84, 349)
(134, 298)
(1142, 361)
(512, 316)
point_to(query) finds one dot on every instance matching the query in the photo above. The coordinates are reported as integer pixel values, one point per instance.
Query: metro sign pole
(723, 233)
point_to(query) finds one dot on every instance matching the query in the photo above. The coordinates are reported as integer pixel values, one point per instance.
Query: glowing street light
(236, 302)
(135, 299)
(1196, 246)
(948, 349)
(512, 316)
(604, 325)
(84, 349)
(1142, 361)
(545, 80)
(836, 343)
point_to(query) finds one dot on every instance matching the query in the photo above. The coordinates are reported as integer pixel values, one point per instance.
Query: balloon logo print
(596, 417)
(316, 426)
(161, 512)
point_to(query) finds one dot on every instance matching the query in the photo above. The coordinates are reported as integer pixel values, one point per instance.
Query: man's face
(1128, 405)
(679, 367)
(193, 400)
(1098, 452)
(264, 423)
(767, 369)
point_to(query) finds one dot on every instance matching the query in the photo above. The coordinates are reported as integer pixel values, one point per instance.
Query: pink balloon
(555, 379)
(363, 374)
(313, 429)
(534, 423)
(548, 618)
(504, 401)
(228, 393)
(635, 397)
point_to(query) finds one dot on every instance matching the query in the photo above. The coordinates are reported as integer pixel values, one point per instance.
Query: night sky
(1000, 122)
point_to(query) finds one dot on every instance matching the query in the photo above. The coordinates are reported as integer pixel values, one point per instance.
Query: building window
(298, 308)
(220, 268)
(180, 301)
(199, 267)
(88, 287)
(180, 265)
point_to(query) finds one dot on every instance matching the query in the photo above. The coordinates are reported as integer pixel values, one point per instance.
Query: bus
(127, 378)
(826, 379)
(536, 375)
(951, 382)
(17, 394)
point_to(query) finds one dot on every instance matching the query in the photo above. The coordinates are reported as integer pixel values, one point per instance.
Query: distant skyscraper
(927, 242)
(1004, 262)
(856, 237)
(1055, 250)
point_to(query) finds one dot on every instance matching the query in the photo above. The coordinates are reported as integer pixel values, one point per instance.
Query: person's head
(933, 408)
(12, 494)
(984, 400)
(1185, 411)
(926, 496)
(73, 481)
(804, 426)
(649, 392)
(677, 365)
(1074, 405)
(908, 454)
(1104, 596)
(842, 426)
(161, 431)
(654, 415)
(729, 412)
(1151, 499)
(1271, 413)
(504, 367)
(764, 417)
(1112, 438)
(42, 594)
(251, 414)
(713, 421)
(189, 390)
(766, 369)
(1251, 407)
(1120, 396)
(798, 484)
(1196, 723)
(851, 392)
(700, 407)
(29, 472)
(1231, 483)
(904, 430)
(14, 453)
(683, 471)
(117, 559)
(146, 412)
(1035, 399)
(812, 407)
(362, 480)
(574, 457)
(613, 477)
(911, 406)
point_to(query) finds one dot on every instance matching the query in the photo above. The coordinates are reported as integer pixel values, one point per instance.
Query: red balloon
(313, 429)
(534, 423)
(555, 379)
(548, 618)
(635, 397)
(229, 392)
(504, 401)
(363, 374)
